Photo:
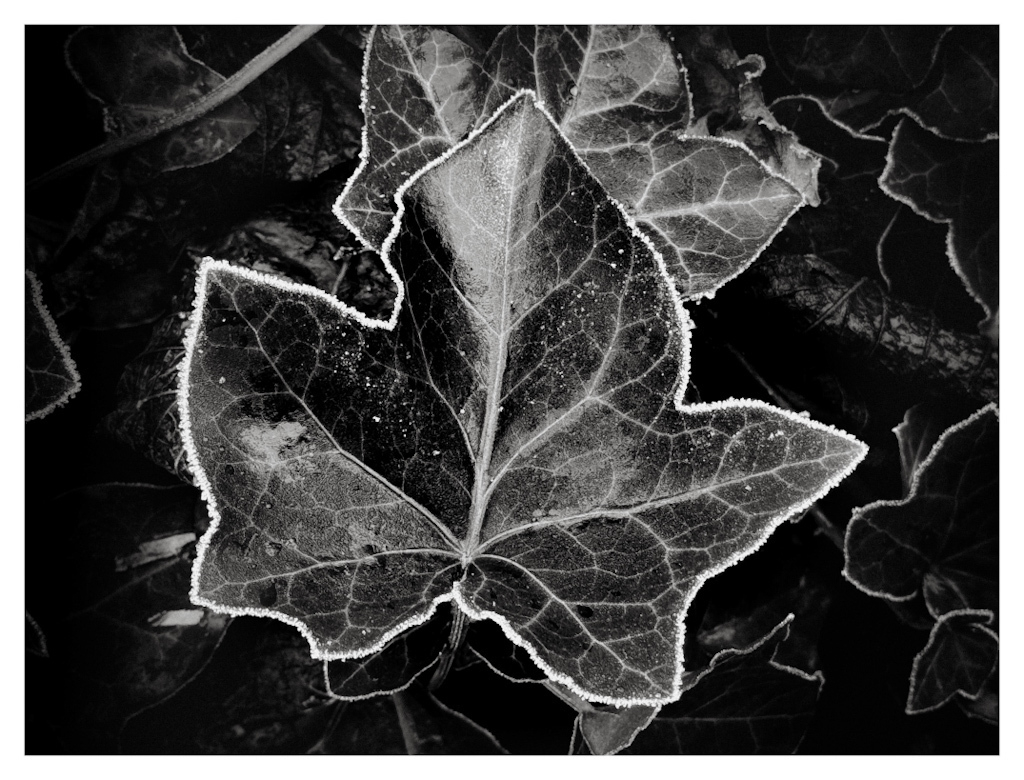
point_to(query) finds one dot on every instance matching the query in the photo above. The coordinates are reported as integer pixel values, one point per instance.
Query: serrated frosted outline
(709, 294)
(989, 617)
(62, 348)
(364, 150)
(858, 512)
(718, 658)
(954, 261)
(685, 325)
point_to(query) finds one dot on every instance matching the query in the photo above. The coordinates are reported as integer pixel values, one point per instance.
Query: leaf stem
(456, 636)
(219, 95)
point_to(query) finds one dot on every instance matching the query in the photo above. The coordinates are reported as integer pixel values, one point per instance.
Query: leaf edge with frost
(454, 595)
(62, 349)
(949, 222)
(857, 516)
(985, 618)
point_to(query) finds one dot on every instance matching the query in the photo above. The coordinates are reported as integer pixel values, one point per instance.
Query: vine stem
(456, 636)
(217, 96)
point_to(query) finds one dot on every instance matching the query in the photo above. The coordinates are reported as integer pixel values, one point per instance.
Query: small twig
(827, 527)
(219, 95)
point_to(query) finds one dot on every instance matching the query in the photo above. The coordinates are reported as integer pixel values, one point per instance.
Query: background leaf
(728, 103)
(708, 206)
(960, 657)
(942, 538)
(51, 377)
(743, 703)
(945, 78)
(394, 667)
(144, 75)
(125, 636)
(947, 181)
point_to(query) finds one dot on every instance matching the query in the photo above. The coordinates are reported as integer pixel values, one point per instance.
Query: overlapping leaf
(942, 538)
(51, 377)
(617, 93)
(946, 79)
(143, 75)
(619, 97)
(509, 439)
(728, 103)
(957, 184)
(743, 702)
(959, 658)
(421, 95)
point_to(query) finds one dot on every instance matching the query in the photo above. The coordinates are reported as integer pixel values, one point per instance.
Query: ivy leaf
(512, 439)
(708, 205)
(957, 184)
(959, 658)
(858, 75)
(144, 75)
(942, 539)
(946, 79)
(916, 435)
(421, 95)
(744, 701)
(728, 103)
(392, 669)
(51, 377)
(126, 637)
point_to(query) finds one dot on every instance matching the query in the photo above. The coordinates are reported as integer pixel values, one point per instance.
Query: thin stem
(219, 95)
(456, 636)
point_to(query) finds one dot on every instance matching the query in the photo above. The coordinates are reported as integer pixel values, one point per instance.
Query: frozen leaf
(946, 79)
(608, 730)
(300, 241)
(421, 96)
(917, 434)
(124, 638)
(392, 669)
(51, 377)
(942, 538)
(144, 75)
(960, 657)
(961, 98)
(728, 103)
(845, 228)
(744, 703)
(986, 707)
(511, 439)
(858, 74)
(957, 184)
(708, 205)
